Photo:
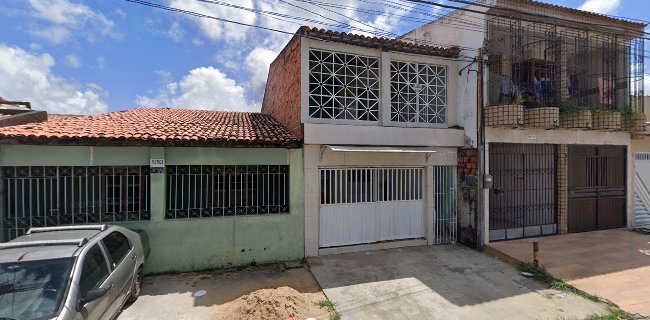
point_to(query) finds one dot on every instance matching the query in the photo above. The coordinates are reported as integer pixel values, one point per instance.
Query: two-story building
(559, 98)
(381, 134)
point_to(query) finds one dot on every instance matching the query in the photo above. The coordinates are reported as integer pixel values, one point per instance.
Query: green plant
(542, 275)
(329, 306)
(519, 100)
(569, 108)
(633, 111)
(599, 109)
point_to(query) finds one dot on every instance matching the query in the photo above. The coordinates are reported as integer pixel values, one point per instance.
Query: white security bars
(418, 92)
(215, 191)
(49, 196)
(445, 217)
(361, 185)
(365, 205)
(343, 86)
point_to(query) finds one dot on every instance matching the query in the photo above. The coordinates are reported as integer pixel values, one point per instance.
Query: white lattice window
(343, 86)
(418, 92)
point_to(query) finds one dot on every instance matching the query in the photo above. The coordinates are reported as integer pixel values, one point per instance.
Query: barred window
(343, 86)
(215, 191)
(418, 92)
(41, 196)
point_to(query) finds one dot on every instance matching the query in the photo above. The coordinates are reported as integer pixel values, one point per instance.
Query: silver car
(72, 272)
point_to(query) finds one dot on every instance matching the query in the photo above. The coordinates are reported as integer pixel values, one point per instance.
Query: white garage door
(365, 205)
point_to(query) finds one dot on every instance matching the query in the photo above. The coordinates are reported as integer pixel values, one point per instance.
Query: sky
(97, 56)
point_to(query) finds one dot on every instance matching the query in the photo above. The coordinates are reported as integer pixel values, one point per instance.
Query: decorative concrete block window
(343, 86)
(49, 196)
(418, 92)
(216, 191)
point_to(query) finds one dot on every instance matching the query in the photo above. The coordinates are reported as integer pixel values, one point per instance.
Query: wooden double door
(597, 179)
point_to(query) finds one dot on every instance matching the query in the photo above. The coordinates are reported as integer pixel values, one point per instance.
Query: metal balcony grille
(216, 191)
(343, 86)
(49, 196)
(418, 92)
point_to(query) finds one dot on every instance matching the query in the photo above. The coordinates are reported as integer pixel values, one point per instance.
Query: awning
(381, 149)
(425, 150)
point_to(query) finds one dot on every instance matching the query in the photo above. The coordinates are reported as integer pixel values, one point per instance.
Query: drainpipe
(481, 154)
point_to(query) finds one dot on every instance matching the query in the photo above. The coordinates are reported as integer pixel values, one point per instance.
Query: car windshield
(33, 289)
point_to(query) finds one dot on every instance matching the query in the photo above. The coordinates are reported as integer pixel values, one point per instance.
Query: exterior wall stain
(468, 198)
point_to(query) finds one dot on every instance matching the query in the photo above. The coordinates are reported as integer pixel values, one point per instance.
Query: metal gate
(523, 197)
(445, 217)
(597, 187)
(365, 205)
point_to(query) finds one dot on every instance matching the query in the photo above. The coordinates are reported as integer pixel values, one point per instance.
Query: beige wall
(313, 160)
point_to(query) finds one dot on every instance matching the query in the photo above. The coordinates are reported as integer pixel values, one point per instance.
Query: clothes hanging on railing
(605, 90)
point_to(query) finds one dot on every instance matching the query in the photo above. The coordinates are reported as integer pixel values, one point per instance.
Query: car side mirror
(91, 296)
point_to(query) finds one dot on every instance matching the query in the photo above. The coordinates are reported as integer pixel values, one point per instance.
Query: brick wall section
(562, 188)
(282, 93)
(467, 161)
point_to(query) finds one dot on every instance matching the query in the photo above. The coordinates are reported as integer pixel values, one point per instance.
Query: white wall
(452, 30)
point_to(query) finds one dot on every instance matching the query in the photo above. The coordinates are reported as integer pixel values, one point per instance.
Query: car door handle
(133, 257)
(111, 286)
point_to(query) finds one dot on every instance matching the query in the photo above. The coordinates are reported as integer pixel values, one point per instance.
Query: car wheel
(136, 286)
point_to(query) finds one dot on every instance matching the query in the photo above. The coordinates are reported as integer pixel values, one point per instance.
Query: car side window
(117, 245)
(94, 270)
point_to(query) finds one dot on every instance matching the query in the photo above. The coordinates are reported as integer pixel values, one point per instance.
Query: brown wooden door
(597, 187)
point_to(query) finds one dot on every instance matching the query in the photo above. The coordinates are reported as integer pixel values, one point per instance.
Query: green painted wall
(202, 243)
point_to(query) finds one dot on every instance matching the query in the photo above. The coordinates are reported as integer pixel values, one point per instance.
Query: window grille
(365, 185)
(49, 196)
(343, 86)
(418, 92)
(215, 191)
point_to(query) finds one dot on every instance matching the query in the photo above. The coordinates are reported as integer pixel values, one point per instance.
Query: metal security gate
(597, 187)
(523, 197)
(445, 217)
(366, 205)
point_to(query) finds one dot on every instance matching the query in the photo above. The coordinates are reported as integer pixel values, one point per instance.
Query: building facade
(379, 121)
(212, 189)
(558, 99)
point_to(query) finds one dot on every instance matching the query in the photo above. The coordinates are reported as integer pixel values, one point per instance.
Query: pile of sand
(271, 304)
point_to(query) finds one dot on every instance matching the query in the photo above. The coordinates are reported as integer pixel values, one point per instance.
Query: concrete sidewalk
(612, 264)
(439, 282)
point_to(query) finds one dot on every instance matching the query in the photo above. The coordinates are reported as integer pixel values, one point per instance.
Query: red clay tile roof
(156, 127)
(375, 42)
(51, 117)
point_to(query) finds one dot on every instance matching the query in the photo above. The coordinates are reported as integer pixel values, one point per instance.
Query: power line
(200, 15)
(519, 12)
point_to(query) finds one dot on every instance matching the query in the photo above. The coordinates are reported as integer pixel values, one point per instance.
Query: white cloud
(202, 88)
(601, 6)
(28, 77)
(218, 30)
(175, 31)
(197, 42)
(73, 61)
(258, 62)
(120, 13)
(65, 17)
